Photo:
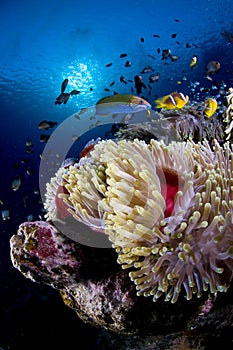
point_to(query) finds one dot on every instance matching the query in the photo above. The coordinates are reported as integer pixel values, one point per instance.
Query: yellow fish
(172, 101)
(193, 61)
(210, 106)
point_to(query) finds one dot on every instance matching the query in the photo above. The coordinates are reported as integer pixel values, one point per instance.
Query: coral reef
(90, 281)
(164, 201)
(229, 113)
(177, 125)
(167, 210)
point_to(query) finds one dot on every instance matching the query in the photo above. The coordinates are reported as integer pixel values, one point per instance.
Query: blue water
(44, 42)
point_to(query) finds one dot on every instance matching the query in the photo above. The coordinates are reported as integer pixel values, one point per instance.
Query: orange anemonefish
(174, 100)
(210, 107)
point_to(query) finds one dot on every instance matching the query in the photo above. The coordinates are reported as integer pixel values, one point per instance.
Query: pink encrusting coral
(167, 210)
(40, 249)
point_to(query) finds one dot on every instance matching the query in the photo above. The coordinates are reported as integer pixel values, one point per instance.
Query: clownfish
(174, 100)
(210, 106)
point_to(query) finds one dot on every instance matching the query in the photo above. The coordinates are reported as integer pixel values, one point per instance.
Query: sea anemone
(55, 208)
(229, 113)
(167, 210)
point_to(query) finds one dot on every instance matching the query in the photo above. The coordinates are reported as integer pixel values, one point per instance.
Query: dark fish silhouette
(154, 77)
(64, 85)
(166, 53)
(128, 64)
(138, 83)
(44, 137)
(142, 40)
(147, 70)
(46, 124)
(64, 96)
(123, 55)
(16, 183)
(123, 80)
(108, 65)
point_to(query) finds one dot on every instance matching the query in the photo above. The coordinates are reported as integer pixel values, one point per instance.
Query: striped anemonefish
(172, 101)
(210, 106)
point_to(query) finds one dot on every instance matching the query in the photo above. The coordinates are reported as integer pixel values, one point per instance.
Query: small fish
(75, 137)
(74, 92)
(123, 55)
(123, 80)
(147, 70)
(210, 107)
(121, 103)
(64, 85)
(29, 171)
(142, 40)
(156, 36)
(44, 137)
(112, 83)
(83, 110)
(154, 78)
(29, 143)
(138, 83)
(173, 36)
(174, 100)
(176, 20)
(128, 64)
(15, 185)
(212, 67)
(166, 53)
(30, 217)
(25, 160)
(108, 65)
(64, 97)
(106, 89)
(187, 46)
(158, 50)
(114, 129)
(29, 149)
(46, 124)
(174, 58)
(193, 62)
(5, 214)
